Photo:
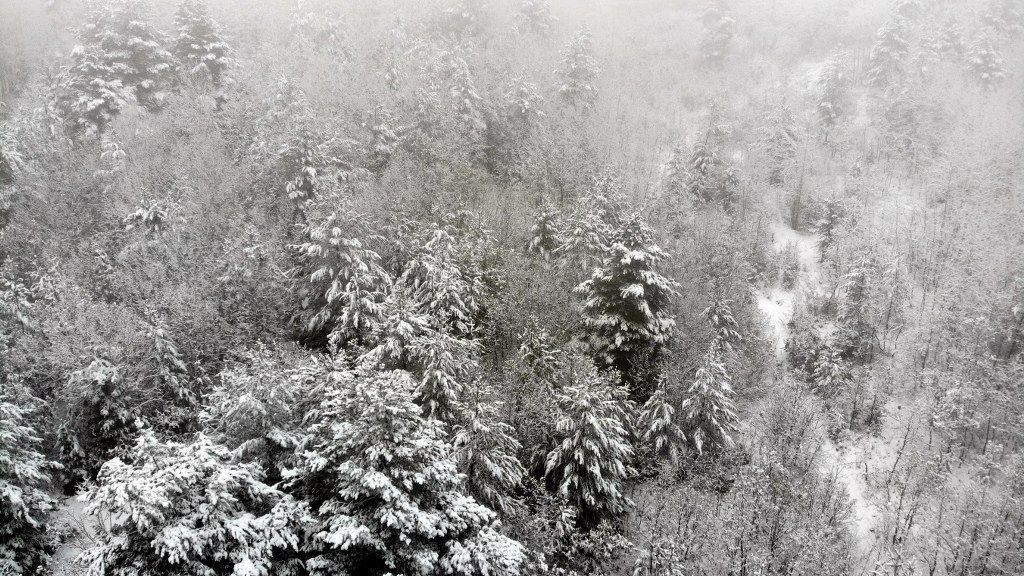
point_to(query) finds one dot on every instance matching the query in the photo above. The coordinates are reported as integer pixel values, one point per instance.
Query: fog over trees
(512, 287)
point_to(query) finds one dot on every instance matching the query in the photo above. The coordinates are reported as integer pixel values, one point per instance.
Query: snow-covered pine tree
(132, 47)
(442, 289)
(385, 138)
(830, 372)
(339, 284)
(657, 428)
(711, 178)
(532, 404)
(984, 63)
(677, 172)
(487, 452)
(91, 92)
(170, 372)
(535, 17)
(780, 141)
(189, 509)
(626, 302)
(256, 406)
(579, 72)
(200, 45)
(12, 160)
(101, 419)
(832, 216)
(445, 363)
(832, 91)
(857, 330)
(719, 30)
(887, 60)
(387, 492)
(725, 328)
(708, 412)
(593, 460)
(25, 476)
(546, 232)
(400, 325)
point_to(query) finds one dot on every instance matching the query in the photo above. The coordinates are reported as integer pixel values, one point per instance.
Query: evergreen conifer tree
(200, 45)
(339, 283)
(487, 453)
(887, 60)
(133, 48)
(91, 92)
(579, 72)
(594, 458)
(387, 492)
(708, 411)
(102, 418)
(189, 509)
(546, 232)
(25, 476)
(657, 428)
(984, 63)
(535, 16)
(710, 177)
(626, 301)
(445, 363)
(720, 28)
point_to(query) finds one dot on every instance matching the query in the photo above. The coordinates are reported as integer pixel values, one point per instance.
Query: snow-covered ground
(71, 514)
(778, 305)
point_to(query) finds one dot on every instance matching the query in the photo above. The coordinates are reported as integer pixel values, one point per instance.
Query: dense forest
(512, 287)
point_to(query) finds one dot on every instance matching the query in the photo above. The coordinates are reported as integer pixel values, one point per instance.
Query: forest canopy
(511, 287)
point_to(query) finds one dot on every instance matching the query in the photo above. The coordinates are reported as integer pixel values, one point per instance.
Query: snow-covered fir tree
(708, 412)
(532, 403)
(385, 139)
(187, 508)
(626, 301)
(579, 72)
(200, 44)
(857, 330)
(445, 363)
(832, 91)
(91, 92)
(711, 178)
(594, 459)
(444, 291)
(830, 372)
(719, 30)
(256, 407)
(167, 377)
(984, 63)
(724, 326)
(535, 17)
(677, 172)
(657, 428)
(103, 418)
(401, 324)
(339, 284)
(127, 43)
(546, 233)
(887, 61)
(25, 480)
(387, 492)
(832, 216)
(585, 238)
(487, 452)
(781, 141)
